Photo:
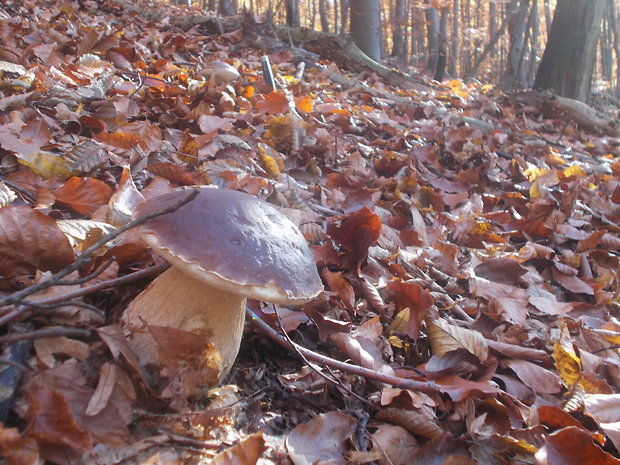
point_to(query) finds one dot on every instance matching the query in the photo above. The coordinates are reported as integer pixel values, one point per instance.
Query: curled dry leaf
(31, 241)
(414, 422)
(247, 452)
(446, 337)
(321, 440)
(362, 351)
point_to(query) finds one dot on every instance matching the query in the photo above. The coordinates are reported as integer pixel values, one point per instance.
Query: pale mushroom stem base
(179, 301)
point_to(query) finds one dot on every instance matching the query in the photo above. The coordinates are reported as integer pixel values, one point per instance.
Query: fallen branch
(58, 331)
(423, 386)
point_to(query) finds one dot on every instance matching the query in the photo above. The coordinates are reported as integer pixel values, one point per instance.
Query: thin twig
(14, 364)
(57, 331)
(26, 304)
(423, 386)
(85, 279)
(332, 379)
(85, 256)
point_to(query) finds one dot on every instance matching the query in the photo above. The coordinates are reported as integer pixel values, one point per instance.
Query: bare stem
(423, 386)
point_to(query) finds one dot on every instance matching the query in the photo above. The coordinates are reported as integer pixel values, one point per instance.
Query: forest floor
(468, 244)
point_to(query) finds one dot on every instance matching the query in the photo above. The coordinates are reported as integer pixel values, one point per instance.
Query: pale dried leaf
(446, 338)
(6, 195)
(100, 398)
(247, 452)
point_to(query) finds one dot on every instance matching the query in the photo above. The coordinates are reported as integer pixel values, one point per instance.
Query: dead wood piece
(583, 115)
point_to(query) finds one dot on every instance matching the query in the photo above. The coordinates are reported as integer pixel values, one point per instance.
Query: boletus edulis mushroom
(223, 247)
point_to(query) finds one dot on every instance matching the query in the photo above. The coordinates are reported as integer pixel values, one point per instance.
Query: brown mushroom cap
(235, 242)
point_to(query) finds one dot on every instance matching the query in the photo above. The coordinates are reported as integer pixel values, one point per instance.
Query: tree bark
(455, 47)
(292, 13)
(513, 74)
(323, 15)
(366, 27)
(432, 38)
(442, 49)
(398, 21)
(568, 61)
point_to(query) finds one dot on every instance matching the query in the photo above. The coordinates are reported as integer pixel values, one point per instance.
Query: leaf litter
(464, 240)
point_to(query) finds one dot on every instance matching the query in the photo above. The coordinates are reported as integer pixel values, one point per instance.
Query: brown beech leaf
(574, 446)
(556, 418)
(539, 379)
(442, 450)
(414, 422)
(87, 156)
(26, 139)
(395, 443)
(355, 234)
(459, 389)
(208, 123)
(572, 283)
(171, 172)
(413, 297)
(446, 337)
(29, 240)
(247, 452)
(321, 440)
(605, 409)
(84, 195)
(362, 351)
(500, 270)
(51, 421)
(338, 284)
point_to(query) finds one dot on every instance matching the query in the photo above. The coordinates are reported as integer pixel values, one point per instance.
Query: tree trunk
(398, 20)
(567, 64)
(323, 15)
(432, 37)
(454, 55)
(292, 13)
(534, 38)
(613, 22)
(344, 16)
(442, 49)
(547, 9)
(226, 8)
(366, 27)
(513, 74)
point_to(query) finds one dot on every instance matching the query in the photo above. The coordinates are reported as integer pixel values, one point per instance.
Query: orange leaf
(84, 195)
(304, 103)
(52, 422)
(275, 102)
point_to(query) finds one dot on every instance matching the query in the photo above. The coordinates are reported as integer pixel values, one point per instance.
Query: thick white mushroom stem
(177, 300)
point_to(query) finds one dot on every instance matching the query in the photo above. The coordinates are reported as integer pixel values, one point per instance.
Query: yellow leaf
(400, 323)
(533, 173)
(534, 190)
(47, 165)
(567, 363)
(575, 170)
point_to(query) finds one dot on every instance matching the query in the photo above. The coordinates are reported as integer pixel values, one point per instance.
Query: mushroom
(224, 246)
(219, 72)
